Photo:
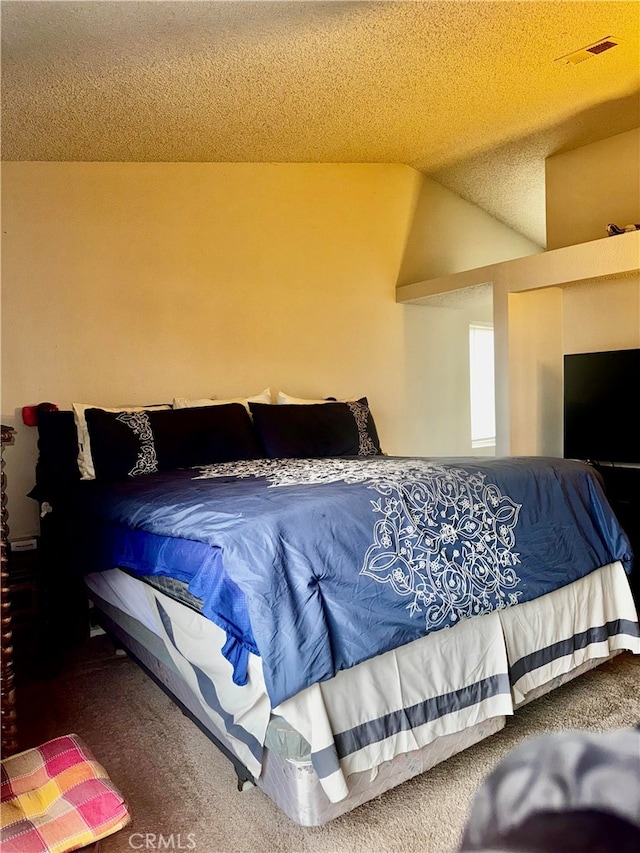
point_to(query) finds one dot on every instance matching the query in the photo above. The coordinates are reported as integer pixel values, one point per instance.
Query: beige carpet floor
(181, 788)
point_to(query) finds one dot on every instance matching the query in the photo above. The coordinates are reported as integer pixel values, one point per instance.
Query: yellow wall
(585, 189)
(543, 326)
(132, 283)
(589, 187)
(129, 283)
(535, 372)
(448, 235)
(601, 316)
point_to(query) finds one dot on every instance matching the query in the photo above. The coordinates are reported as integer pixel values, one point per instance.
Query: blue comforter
(320, 564)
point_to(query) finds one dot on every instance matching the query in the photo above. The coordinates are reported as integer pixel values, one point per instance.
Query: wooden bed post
(7, 687)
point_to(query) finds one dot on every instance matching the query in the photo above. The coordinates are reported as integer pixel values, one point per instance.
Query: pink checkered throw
(57, 798)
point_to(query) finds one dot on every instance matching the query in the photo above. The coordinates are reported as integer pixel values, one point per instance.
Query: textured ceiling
(467, 92)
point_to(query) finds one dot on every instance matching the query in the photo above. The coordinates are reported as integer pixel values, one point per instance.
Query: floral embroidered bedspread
(340, 559)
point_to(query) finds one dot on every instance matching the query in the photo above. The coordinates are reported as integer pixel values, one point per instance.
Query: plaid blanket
(57, 798)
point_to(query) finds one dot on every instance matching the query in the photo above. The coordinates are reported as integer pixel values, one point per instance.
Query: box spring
(291, 783)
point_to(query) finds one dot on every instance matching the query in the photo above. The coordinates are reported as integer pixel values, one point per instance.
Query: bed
(335, 619)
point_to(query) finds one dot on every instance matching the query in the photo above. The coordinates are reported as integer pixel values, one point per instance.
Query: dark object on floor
(574, 792)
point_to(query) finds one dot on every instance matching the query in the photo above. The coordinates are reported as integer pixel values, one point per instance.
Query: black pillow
(316, 430)
(127, 444)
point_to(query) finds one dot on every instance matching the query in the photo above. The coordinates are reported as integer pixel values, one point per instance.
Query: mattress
(525, 652)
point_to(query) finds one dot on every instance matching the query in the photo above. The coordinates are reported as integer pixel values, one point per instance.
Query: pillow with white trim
(85, 461)
(316, 430)
(186, 403)
(130, 444)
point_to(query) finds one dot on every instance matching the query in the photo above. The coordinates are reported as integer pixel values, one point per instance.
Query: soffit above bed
(468, 92)
(608, 259)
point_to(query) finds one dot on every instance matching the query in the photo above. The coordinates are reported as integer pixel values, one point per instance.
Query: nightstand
(9, 728)
(37, 649)
(23, 574)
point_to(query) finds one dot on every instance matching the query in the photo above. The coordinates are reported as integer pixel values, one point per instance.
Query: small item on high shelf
(613, 229)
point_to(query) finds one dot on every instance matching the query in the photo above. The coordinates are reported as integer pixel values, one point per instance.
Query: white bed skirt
(416, 705)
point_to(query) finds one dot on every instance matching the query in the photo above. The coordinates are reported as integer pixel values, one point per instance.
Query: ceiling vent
(588, 52)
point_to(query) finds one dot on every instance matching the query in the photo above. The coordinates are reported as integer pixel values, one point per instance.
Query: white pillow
(287, 399)
(85, 460)
(185, 403)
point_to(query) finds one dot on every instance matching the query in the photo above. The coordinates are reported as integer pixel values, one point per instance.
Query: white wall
(437, 379)
(589, 187)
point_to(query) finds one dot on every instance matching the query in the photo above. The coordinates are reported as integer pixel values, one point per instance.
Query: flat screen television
(601, 393)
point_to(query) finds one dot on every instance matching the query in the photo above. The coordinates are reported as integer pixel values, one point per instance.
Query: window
(483, 414)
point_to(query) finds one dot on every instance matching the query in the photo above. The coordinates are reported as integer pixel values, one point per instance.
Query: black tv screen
(601, 421)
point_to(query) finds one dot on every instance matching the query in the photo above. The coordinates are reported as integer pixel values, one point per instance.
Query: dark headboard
(57, 466)
(66, 621)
